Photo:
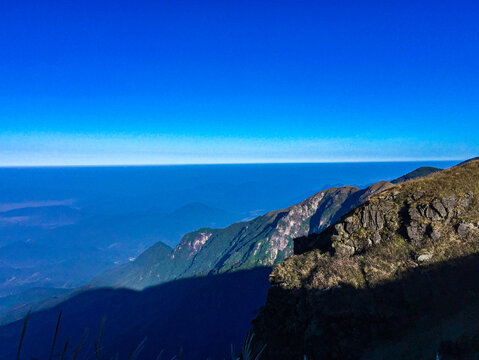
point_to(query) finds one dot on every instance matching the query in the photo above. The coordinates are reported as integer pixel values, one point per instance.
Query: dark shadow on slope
(204, 316)
(407, 318)
(320, 241)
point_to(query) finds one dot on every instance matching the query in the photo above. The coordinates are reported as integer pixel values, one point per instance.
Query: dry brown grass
(393, 255)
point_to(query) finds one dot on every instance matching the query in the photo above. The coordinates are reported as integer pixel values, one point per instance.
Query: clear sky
(153, 82)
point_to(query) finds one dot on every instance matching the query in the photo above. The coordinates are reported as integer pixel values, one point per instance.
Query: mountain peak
(418, 173)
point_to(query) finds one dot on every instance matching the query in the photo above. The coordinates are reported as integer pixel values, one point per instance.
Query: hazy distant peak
(419, 172)
(471, 159)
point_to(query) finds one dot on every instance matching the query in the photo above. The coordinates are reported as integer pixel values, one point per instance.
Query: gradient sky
(159, 82)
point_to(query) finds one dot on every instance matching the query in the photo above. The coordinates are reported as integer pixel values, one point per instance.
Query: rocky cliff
(389, 280)
(264, 241)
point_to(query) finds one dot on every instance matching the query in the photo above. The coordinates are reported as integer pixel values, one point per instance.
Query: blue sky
(160, 82)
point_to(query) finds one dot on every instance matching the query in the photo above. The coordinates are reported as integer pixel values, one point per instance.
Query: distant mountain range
(58, 248)
(59, 227)
(263, 241)
(44, 216)
(208, 257)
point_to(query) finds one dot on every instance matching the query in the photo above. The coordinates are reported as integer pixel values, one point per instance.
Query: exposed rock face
(194, 245)
(264, 241)
(396, 261)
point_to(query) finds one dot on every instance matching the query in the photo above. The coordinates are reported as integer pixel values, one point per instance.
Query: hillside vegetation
(264, 241)
(387, 281)
(217, 277)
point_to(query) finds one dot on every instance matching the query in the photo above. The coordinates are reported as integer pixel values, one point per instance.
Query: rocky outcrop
(366, 280)
(264, 241)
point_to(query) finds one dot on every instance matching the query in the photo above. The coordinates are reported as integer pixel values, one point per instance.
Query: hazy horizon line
(228, 163)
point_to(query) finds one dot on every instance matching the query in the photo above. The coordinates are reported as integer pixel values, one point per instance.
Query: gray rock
(414, 213)
(424, 257)
(351, 225)
(339, 229)
(463, 229)
(415, 232)
(372, 218)
(436, 234)
(466, 200)
(365, 218)
(439, 208)
(424, 210)
(349, 219)
(449, 202)
(418, 195)
(379, 220)
(376, 238)
(345, 250)
(432, 214)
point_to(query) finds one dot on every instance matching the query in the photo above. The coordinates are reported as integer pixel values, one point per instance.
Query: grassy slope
(263, 241)
(379, 243)
(394, 247)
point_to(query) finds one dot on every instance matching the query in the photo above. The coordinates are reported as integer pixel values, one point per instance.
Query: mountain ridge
(263, 241)
(359, 286)
(418, 173)
(279, 228)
